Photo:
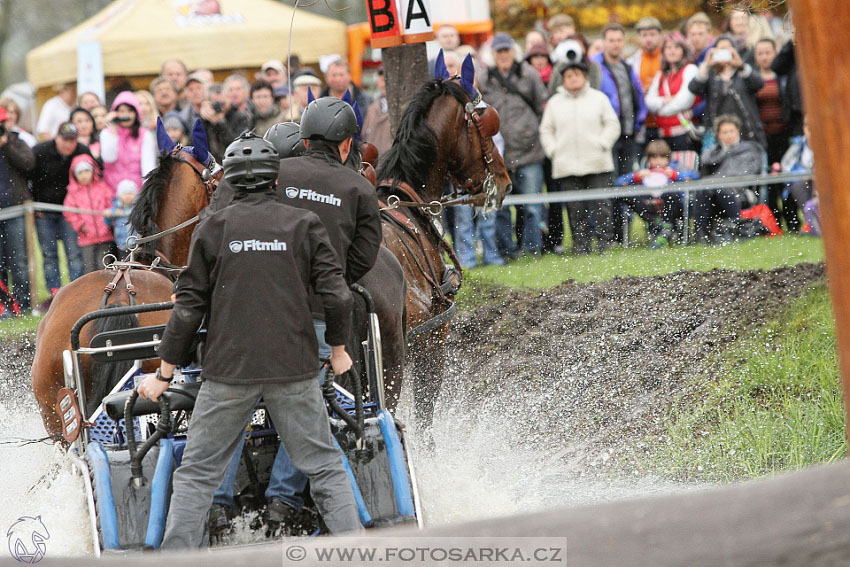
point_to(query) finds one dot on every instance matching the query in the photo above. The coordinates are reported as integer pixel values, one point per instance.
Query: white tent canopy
(136, 36)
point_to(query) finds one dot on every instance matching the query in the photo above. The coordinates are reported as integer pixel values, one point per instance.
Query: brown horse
(174, 192)
(441, 135)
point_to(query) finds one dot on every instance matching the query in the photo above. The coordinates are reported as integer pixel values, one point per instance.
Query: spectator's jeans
(286, 482)
(51, 228)
(726, 199)
(465, 231)
(584, 213)
(13, 246)
(527, 180)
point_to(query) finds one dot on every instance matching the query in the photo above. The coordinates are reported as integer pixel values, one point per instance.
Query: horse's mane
(146, 208)
(414, 150)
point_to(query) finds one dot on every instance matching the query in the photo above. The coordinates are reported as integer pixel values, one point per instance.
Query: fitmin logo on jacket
(310, 195)
(237, 246)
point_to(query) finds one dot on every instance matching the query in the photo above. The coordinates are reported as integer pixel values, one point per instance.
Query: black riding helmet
(329, 119)
(286, 138)
(251, 163)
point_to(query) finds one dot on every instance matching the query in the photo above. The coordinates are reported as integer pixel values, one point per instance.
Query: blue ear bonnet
(199, 148)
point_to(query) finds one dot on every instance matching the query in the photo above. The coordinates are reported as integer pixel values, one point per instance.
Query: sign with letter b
(394, 22)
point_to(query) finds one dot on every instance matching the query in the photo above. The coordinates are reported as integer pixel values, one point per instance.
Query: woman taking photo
(86, 131)
(669, 98)
(128, 150)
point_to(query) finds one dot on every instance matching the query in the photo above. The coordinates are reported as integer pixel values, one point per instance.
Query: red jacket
(97, 196)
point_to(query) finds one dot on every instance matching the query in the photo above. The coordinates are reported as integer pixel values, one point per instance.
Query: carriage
(128, 447)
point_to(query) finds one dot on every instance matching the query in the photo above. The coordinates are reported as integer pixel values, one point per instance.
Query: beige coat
(578, 131)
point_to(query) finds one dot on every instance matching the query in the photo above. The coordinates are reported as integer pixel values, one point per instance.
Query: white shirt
(53, 114)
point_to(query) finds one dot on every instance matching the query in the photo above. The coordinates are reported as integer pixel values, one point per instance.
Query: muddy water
(543, 395)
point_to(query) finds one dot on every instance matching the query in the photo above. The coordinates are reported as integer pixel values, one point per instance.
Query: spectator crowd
(578, 112)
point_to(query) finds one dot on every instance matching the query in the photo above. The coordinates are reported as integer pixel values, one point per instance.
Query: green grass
(549, 271)
(776, 403)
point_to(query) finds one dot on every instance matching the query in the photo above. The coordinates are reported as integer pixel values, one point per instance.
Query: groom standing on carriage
(287, 254)
(348, 207)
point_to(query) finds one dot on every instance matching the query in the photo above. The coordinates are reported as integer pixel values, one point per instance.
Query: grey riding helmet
(329, 119)
(286, 138)
(251, 163)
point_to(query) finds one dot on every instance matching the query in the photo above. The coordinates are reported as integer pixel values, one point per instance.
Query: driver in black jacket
(251, 268)
(347, 204)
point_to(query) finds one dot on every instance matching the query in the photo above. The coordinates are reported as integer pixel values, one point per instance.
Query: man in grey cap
(646, 63)
(515, 89)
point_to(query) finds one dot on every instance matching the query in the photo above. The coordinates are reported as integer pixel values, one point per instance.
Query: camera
(568, 50)
(123, 119)
(217, 107)
(721, 56)
(2, 130)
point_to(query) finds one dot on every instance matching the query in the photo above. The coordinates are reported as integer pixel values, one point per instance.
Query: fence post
(29, 224)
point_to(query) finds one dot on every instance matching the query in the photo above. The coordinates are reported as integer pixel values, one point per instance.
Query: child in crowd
(117, 216)
(87, 190)
(659, 210)
(175, 128)
(799, 158)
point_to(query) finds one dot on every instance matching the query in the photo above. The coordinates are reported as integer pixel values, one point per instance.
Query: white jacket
(578, 131)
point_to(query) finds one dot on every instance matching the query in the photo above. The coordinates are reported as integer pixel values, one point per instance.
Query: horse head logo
(291, 192)
(26, 539)
(236, 246)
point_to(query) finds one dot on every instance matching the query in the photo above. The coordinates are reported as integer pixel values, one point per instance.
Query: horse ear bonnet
(200, 146)
(310, 97)
(163, 140)
(467, 77)
(440, 71)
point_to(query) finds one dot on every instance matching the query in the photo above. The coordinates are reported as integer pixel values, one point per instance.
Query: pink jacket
(124, 156)
(91, 229)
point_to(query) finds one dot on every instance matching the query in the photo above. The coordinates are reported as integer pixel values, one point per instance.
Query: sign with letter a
(394, 22)
(417, 20)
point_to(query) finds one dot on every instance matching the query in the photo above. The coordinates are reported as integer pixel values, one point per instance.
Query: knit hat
(126, 186)
(83, 166)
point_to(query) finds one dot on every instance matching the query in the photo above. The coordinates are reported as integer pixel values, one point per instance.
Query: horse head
(175, 191)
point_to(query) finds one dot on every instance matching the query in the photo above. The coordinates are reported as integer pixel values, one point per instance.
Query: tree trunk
(405, 70)
(822, 46)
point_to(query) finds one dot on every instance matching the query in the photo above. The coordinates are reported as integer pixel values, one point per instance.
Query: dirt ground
(587, 371)
(582, 371)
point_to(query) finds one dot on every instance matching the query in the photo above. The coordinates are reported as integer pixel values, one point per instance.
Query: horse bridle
(485, 124)
(209, 176)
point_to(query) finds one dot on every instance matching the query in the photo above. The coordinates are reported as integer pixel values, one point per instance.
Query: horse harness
(443, 284)
(210, 180)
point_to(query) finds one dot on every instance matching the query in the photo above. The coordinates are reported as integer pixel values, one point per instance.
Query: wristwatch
(162, 378)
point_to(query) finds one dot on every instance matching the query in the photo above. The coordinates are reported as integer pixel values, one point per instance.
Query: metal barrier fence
(29, 208)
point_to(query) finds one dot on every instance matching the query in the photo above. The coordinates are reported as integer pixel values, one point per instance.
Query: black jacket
(345, 202)
(741, 93)
(50, 175)
(785, 65)
(251, 268)
(21, 160)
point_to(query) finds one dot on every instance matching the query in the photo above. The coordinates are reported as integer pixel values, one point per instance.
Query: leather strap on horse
(122, 272)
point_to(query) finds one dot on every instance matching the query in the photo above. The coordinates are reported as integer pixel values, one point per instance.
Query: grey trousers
(218, 422)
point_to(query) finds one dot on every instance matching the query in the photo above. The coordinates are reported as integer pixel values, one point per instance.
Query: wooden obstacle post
(405, 70)
(29, 227)
(822, 47)
(400, 28)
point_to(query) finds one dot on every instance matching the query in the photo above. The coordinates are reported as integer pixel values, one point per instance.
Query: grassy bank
(549, 271)
(774, 405)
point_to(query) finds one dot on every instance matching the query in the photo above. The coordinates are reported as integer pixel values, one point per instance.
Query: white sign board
(90, 69)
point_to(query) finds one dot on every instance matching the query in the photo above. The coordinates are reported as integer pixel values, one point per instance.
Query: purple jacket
(609, 87)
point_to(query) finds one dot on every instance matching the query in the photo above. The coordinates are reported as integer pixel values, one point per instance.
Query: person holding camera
(16, 158)
(128, 150)
(729, 86)
(574, 49)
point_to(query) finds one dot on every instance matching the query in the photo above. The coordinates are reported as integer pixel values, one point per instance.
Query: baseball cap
(501, 41)
(196, 77)
(648, 23)
(306, 78)
(275, 64)
(280, 91)
(68, 131)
